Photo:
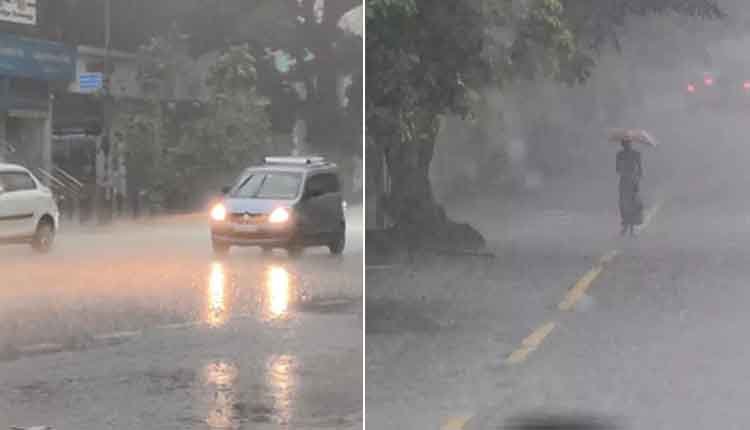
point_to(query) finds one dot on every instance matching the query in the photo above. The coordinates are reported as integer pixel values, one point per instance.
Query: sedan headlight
(219, 212)
(279, 216)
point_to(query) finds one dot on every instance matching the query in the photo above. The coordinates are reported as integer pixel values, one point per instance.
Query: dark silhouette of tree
(426, 57)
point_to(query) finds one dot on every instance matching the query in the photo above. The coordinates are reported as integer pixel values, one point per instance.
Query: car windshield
(263, 185)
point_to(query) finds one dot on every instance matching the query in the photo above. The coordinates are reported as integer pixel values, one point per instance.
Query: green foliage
(234, 71)
(141, 134)
(180, 159)
(427, 58)
(235, 127)
(323, 52)
(429, 54)
(160, 61)
(236, 124)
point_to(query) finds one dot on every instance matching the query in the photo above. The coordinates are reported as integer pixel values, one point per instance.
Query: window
(249, 186)
(276, 185)
(323, 183)
(16, 181)
(279, 186)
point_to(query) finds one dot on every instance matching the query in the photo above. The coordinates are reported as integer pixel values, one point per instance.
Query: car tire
(221, 249)
(337, 246)
(44, 237)
(295, 251)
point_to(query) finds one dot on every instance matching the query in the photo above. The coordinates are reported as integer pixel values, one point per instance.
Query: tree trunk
(420, 220)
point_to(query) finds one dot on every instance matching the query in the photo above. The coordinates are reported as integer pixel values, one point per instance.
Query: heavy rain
(181, 214)
(500, 292)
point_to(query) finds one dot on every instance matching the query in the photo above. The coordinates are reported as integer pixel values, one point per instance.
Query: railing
(68, 191)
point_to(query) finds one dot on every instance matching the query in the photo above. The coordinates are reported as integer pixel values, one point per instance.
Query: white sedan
(28, 212)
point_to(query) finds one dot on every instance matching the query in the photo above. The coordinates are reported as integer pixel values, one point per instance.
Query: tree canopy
(429, 54)
(426, 58)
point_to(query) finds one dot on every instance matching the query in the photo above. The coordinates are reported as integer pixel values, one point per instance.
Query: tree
(426, 58)
(182, 150)
(318, 53)
(317, 50)
(423, 58)
(148, 131)
(324, 53)
(235, 126)
(231, 132)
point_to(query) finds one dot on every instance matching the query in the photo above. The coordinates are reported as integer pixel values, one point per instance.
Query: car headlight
(278, 216)
(219, 212)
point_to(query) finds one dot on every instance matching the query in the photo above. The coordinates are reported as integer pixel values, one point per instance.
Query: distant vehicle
(718, 91)
(28, 212)
(288, 202)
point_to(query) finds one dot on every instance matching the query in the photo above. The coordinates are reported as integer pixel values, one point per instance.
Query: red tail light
(708, 81)
(691, 88)
(746, 85)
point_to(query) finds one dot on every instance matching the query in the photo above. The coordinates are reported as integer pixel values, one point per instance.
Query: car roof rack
(304, 161)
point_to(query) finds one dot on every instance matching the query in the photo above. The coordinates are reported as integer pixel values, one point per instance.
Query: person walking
(630, 170)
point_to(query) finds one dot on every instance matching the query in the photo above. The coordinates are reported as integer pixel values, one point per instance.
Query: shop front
(31, 72)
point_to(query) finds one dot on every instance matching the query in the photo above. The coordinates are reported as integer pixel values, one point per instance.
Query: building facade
(32, 71)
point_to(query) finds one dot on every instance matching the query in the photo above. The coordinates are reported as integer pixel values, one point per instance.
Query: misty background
(534, 135)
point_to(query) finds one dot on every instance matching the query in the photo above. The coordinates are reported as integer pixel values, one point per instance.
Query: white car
(28, 212)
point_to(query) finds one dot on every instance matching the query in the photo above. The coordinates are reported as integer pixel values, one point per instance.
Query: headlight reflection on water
(217, 306)
(279, 291)
(276, 297)
(281, 381)
(221, 378)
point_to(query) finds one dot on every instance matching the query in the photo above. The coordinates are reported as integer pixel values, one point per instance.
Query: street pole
(107, 107)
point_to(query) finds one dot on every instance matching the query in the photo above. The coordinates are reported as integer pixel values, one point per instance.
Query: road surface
(570, 318)
(139, 327)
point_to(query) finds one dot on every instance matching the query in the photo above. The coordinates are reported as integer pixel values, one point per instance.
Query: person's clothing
(630, 169)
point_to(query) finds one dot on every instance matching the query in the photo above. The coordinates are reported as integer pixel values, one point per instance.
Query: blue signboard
(90, 82)
(36, 59)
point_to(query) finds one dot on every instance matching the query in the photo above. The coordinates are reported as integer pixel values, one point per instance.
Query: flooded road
(144, 323)
(571, 318)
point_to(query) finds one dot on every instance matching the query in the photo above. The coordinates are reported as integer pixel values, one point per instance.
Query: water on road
(140, 326)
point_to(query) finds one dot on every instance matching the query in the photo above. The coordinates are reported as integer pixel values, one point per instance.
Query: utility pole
(103, 187)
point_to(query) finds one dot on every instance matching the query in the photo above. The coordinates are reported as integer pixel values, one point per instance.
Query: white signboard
(18, 11)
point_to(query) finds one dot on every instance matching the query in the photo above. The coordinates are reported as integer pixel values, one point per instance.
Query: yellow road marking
(455, 423)
(531, 343)
(582, 285)
(580, 288)
(535, 339)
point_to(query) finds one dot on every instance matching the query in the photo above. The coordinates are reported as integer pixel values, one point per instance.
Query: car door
(323, 202)
(17, 204)
(309, 207)
(330, 202)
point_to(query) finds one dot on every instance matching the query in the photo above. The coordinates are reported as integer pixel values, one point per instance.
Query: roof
(292, 167)
(306, 160)
(294, 164)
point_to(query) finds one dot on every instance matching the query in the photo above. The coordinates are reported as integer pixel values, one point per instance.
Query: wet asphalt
(138, 325)
(657, 341)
